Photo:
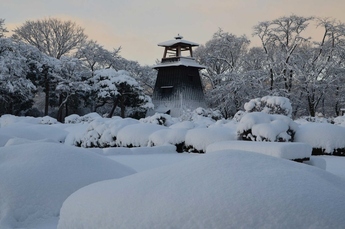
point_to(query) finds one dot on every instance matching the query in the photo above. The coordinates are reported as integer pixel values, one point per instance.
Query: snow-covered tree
(231, 76)
(95, 56)
(45, 73)
(145, 75)
(51, 36)
(120, 89)
(16, 91)
(222, 55)
(3, 29)
(280, 39)
(72, 86)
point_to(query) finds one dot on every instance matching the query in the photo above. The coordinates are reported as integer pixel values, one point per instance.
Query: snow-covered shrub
(173, 136)
(74, 118)
(340, 121)
(325, 138)
(136, 135)
(214, 114)
(48, 120)
(199, 138)
(201, 117)
(200, 112)
(270, 105)
(307, 119)
(259, 126)
(239, 114)
(102, 132)
(159, 119)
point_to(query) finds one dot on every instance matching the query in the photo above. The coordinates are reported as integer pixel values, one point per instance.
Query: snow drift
(212, 191)
(325, 136)
(36, 178)
(286, 150)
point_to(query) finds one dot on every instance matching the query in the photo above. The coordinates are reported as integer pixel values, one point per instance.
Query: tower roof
(178, 40)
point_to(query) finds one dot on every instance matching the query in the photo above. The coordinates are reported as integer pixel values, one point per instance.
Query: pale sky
(139, 25)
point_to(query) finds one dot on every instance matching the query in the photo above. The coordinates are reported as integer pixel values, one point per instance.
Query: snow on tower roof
(178, 40)
(184, 61)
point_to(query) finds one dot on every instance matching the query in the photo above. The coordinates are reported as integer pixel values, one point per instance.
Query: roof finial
(179, 37)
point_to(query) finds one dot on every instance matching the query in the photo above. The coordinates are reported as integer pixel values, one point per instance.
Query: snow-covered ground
(47, 182)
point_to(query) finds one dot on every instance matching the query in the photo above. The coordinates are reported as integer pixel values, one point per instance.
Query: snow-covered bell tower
(178, 86)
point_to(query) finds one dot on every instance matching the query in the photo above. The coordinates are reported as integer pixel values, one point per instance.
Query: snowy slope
(219, 190)
(36, 178)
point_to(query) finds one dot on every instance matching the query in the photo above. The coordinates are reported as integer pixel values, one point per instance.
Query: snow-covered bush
(239, 114)
(340, 121)
(136, 135)
(102, 132)
(74, 118)
(48, 120)
(316, 119)
(199, 138)
(270, 105)
(201, 113)
(159, 119)
(173, 136)
(259, 126)
(325, 138)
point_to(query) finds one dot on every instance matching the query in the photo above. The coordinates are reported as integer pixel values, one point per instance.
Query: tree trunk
(271, 79)
(311, 106)
(46, 102)
(113, 109)
(61, 105)
(122, 106)
(66, 109)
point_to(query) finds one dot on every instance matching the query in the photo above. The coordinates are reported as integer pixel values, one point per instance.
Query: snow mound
(212, 191)
(317, 161)
(35, 179)
(325, 136)
(199, 138)
(7, 119)
(34, 132)
(166, 149)
(286, 150)
(183, 125)
(136, 135)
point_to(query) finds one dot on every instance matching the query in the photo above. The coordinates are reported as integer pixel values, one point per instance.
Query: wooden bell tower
(178, 86)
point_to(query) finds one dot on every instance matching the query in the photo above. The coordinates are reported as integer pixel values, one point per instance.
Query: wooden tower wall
(178, 88)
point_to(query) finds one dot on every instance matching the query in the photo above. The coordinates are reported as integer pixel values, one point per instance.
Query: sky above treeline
(139, 25)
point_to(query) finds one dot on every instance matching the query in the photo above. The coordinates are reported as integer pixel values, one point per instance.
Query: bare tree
(280, 39)
(51, 36)
(3, 29)
(94, 56)
(222, 55)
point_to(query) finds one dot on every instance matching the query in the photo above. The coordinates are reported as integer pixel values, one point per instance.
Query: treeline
(307, 70)
(50, 67)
